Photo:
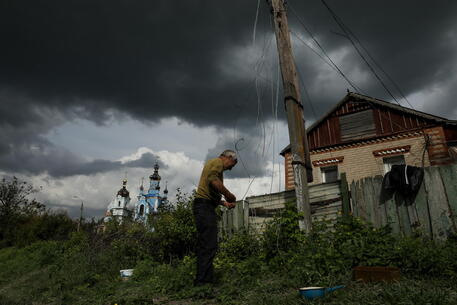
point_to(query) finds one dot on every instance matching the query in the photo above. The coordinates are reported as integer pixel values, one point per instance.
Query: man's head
(229, 159)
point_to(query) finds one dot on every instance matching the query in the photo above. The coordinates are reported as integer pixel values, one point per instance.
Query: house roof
(350, 96)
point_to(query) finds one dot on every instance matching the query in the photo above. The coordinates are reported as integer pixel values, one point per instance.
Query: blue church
(149, 202)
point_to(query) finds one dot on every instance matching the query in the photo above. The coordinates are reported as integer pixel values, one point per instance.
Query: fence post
(345, 195)
(246, 214)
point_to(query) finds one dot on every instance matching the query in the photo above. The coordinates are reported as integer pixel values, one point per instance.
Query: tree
(15, 204)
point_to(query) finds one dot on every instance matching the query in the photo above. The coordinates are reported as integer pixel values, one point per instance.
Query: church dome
(123, 191)
(155, 176)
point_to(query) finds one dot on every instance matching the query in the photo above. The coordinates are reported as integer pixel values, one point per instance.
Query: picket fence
(432, 213)
(254, 212)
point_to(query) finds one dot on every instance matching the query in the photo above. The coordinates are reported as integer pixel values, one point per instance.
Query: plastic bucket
(126, 274)
(317, 292)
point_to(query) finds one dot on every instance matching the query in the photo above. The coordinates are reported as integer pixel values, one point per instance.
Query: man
(208, 197)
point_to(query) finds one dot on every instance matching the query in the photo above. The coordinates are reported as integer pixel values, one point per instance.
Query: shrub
(351, 242)
(240, 246)
(282, 234)
(174, 230)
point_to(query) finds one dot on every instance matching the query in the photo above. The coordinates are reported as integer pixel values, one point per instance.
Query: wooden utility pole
(294, 108)
(80, 216)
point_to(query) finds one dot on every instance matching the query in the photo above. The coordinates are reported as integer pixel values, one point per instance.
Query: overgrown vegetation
(83, 267)
(24, 221)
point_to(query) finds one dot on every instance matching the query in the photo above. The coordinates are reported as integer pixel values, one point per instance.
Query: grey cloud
(150, 60)
(146, 160)
(75, 211)
(131, 58)
(253, 149)
(59, 162)
(413, 44)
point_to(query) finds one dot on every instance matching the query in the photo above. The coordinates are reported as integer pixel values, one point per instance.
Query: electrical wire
(258, 68)
(274, 109)
(330, 64)
(356, 89)
(378, 66)
(255, 22)
(336, 67)
(343, 28)
(305, 90)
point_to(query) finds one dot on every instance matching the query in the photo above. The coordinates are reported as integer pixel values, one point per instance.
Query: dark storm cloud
(252, 148)
(162, 58)
(59, 162)
(414, 42)
(149, 60)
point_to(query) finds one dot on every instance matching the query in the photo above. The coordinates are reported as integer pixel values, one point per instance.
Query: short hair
(229, 154)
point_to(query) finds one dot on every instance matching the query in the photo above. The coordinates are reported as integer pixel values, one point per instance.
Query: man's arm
(219, 186)
(228, 205)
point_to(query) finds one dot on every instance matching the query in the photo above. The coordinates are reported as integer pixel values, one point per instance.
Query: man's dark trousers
(206, 222)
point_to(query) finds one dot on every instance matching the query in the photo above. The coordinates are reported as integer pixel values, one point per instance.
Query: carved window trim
(392, 151)
(327, 162)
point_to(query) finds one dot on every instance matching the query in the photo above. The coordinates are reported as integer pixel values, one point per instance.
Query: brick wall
(289, 174)
(359, 161)
(438, 151)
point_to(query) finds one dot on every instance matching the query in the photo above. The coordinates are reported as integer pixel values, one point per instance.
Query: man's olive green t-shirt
(213, 169)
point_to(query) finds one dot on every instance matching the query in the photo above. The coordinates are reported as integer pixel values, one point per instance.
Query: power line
(343, 28)
(258, 68)
(331, 64)
(308, 98)
(356, 89)
(379, 66)
(322, 49)
(255, 22)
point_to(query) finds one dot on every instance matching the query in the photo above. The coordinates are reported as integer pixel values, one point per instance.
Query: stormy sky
(93, 91)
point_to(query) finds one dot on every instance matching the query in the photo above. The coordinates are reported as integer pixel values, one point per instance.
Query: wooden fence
(254, 212)
(434, 211)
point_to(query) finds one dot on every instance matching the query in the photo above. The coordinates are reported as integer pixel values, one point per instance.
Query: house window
(395, 160)
(329, 174)
(141, 210)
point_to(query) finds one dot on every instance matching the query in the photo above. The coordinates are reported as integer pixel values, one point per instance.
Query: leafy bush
(174, 230)
(324, 253)
(46, 226)
(240, 246)
(83, 267)
(282, 234)
(24, 221)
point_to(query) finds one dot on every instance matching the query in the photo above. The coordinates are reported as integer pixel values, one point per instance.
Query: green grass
(31, 276)
(267, 269)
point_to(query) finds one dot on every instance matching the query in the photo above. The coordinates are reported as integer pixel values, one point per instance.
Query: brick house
(363, 136)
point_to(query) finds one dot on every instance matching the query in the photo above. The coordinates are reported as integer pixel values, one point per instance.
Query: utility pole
(80, 216)
(294, 109)
(81, 212)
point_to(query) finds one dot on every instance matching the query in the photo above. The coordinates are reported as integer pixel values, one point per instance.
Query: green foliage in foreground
(250, 269)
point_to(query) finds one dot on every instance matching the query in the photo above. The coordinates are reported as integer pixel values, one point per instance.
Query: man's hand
(219, 186)
(230, 197)
(228, 205)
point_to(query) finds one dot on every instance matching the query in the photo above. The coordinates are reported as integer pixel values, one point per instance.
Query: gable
(358, 117)
(342, 124)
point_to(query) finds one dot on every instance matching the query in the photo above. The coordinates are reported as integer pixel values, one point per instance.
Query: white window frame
(395, 159)
(325, 169)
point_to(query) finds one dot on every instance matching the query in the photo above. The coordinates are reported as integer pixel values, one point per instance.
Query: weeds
(250, 269)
